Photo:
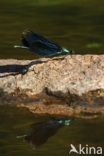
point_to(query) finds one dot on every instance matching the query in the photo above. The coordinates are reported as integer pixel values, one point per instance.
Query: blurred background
(73, 24)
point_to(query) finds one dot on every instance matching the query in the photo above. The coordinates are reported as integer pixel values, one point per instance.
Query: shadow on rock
(15, 69)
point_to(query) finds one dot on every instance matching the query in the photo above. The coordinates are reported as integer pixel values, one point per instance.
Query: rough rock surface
(76, 74)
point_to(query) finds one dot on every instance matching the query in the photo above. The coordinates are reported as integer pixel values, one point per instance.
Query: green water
(74, 24)
(17, 121)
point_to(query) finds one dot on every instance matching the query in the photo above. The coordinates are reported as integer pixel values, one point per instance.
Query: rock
(65, 85)
(75, 74)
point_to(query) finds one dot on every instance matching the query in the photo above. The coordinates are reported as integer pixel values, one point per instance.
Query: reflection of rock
(75, 74)
(80, 108)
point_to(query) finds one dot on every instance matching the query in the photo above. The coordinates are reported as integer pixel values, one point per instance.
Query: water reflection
(40, 132)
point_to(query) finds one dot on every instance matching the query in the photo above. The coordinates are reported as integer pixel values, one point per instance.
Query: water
(77, 24)
(18, 121)
(73, 24)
